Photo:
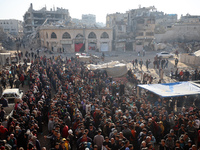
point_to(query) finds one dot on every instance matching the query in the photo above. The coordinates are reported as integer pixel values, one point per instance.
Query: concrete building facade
(35, 18)
(118, 22)
(12, 26)
(71, 39)
(189, 19)
(89, 19)
(141, 23)
(135, 27)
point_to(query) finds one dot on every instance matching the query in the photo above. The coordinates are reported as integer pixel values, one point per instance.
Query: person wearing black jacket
(127, 132)
(162, 145)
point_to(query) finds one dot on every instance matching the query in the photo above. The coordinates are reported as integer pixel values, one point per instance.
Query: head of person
(106, 139)
(178, 143)
(126, 143)
(190, 143)
(162, 142)
(172, 132)
(130, 147)
(95, 147)
(169, 137)
(143, 144)
(194, 147)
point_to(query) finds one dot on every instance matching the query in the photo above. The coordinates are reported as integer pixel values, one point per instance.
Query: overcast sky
(15, 9)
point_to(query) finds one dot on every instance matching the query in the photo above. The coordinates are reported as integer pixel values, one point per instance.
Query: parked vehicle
(165, 54)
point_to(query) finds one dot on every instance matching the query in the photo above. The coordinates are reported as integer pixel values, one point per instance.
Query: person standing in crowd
(136, 63)
(147, 64)
(2, 114)
(3, 82)
(98, 140)
(141, 63)
(166, 63)
(17, 83)
(21, 78)
(10, 80)
(176, 62)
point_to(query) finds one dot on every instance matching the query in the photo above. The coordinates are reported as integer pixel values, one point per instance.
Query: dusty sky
(15, 9)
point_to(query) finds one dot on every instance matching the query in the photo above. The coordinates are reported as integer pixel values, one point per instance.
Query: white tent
(114, 68)
(172, 89)
(197, 53)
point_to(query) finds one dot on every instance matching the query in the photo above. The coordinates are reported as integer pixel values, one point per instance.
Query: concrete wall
(191, 60)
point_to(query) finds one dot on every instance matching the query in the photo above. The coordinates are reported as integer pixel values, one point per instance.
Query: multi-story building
(141, 23)
(12, 26)
(89, 19)
(118, 21)
(190, 19)
(164, 22)
(35, 18)
(135, 27)
(75, 39)
(165, 19)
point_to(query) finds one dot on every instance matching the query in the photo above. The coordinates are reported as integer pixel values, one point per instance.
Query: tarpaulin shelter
(172, 89)
(113, 69)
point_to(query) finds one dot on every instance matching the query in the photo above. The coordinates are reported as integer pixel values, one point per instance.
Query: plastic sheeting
(113, 69)
(172, 89)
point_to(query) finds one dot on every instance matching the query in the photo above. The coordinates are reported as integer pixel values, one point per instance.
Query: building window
(66, 35)
(53, 35)
(47, 35)
(92, 35)
(140, 34)
(141, 21)
(119, 27)
(79, 36)
(149, 34)
(152, 21)
(104, 35)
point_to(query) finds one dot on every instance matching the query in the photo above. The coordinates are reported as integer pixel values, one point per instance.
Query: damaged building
(35, 18)
(141, 23)
(187, 29)
(133, 30)
(118, 22)
(88, 19)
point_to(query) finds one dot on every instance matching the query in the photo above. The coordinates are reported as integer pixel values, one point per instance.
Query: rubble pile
(7, 40)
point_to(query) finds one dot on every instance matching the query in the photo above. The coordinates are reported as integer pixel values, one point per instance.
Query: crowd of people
(88, 110)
